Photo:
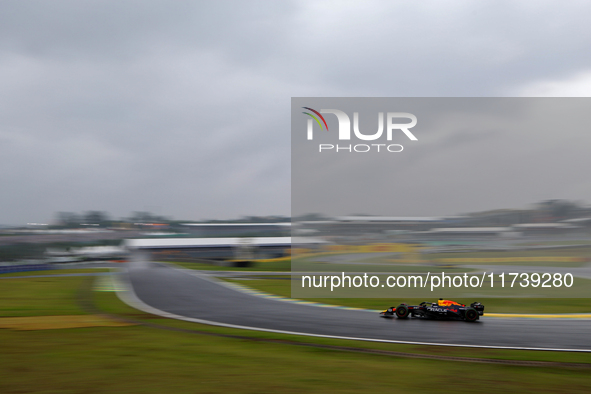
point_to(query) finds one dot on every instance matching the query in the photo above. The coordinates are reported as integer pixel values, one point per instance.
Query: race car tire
(402, 312)
(471, 315)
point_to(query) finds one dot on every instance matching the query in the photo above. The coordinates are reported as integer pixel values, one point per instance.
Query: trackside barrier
(24, 268)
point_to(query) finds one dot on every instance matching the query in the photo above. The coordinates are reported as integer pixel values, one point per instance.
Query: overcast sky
(182, 108)
(471, 154)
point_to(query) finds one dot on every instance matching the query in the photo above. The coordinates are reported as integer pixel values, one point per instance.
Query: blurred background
(164, 128)
(119, 113)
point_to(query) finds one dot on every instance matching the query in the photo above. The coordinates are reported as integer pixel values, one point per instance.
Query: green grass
(559, 243)
(39, 297)
(282, 287)
(258, 266)
(141, 359)
(303, 265)
(55, 272)
(144, 360)
(432, 262)
(584, 252)
(542, 264)
(390, 267)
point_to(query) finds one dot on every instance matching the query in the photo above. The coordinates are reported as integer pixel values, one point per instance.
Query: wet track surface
(186, 294)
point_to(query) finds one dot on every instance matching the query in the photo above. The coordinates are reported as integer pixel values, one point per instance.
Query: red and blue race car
(442, 309)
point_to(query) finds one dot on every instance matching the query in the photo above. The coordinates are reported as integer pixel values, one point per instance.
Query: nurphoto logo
(344, 132)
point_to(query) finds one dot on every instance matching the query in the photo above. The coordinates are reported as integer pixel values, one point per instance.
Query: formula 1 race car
(442, 309)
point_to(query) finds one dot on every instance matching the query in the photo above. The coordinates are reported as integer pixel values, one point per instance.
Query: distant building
(233, 248)
(236, 229)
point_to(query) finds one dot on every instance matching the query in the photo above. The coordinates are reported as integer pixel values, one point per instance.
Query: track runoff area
(194, 296)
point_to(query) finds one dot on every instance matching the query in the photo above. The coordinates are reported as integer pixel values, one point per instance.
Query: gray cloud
(472, 154)
(184, 106)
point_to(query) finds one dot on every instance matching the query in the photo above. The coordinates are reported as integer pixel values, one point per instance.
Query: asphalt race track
(190, 295)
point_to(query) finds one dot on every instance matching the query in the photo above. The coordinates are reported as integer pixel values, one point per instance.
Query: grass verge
(142, 359)
(54, 272)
